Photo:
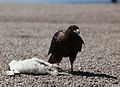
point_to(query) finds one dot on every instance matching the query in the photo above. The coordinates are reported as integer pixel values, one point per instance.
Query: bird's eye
(77, 30)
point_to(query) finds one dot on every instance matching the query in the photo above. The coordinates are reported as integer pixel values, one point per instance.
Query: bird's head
(73, 29)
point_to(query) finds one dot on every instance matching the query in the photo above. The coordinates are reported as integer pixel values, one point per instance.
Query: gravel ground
(26, 31)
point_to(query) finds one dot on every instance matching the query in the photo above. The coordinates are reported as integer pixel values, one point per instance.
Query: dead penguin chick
(31, 66)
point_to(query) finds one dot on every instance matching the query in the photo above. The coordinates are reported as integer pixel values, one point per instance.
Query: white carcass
(31, 66)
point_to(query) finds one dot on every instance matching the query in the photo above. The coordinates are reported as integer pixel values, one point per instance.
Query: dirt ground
(26, 31)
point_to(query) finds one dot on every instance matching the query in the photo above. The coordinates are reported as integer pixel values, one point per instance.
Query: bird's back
(56, 42)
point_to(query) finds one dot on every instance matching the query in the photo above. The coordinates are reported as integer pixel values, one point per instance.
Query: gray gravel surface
(26, 31)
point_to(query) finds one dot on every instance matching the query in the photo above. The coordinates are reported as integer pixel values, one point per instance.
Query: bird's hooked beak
(77, 31)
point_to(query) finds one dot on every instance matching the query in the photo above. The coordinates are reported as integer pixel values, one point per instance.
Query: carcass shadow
(90, 74)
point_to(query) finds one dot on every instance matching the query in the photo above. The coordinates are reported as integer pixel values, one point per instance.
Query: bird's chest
(68, 46)
(71, 46)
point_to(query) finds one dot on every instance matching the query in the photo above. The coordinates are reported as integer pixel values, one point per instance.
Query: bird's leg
(72, 59)
(71, 67)
(71, 62)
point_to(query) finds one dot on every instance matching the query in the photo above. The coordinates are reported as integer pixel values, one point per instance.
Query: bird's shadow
(87, 74)
(90, 74)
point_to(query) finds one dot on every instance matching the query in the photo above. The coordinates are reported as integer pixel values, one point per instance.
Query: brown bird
(65, 44)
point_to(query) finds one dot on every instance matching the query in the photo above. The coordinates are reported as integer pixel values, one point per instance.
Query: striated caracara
(65, 44)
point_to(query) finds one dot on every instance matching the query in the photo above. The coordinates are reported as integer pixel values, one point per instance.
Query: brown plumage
(65, 44)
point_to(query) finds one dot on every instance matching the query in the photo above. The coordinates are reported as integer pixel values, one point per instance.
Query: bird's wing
(57, 38)
(80, 42)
